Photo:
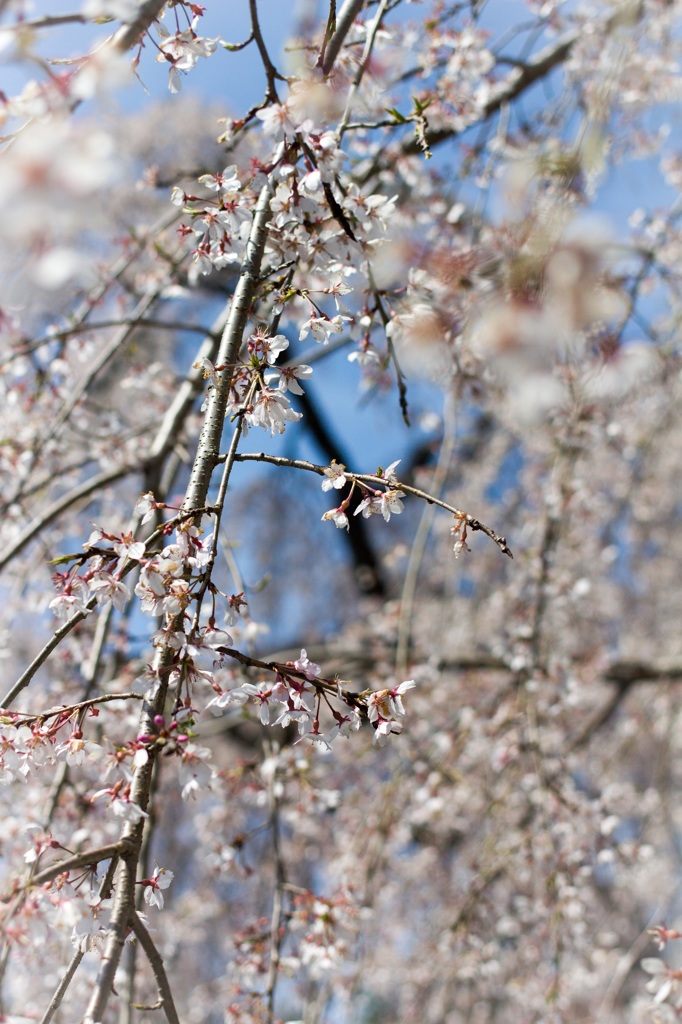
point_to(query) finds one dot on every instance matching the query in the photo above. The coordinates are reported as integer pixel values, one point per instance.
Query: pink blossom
(108, 588)
(309, 669)
(271, 410)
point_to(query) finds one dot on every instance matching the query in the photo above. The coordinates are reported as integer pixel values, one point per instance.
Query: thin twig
(271, 72)
(419, 544)
(63, 985)
(60, 992)
(276, 916)
(364, 61)
(61, 505)
(158, 969)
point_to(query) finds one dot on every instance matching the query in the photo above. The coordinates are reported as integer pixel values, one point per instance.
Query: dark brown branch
(53, 511)
(368, 570)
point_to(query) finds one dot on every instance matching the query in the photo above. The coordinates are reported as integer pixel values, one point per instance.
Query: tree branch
(129, 35)
(195, 498)
(474, 524)
(156, 964)
(81, 860)
(344, 21)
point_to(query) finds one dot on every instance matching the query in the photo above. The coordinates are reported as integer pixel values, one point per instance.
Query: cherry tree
(287, 735)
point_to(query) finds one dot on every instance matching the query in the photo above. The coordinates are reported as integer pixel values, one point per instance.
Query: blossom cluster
(299, 691)
(259, 390)
(384, 501)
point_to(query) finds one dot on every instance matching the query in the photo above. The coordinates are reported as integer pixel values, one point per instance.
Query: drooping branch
(92, 486)
(475, 525)
(271, 72)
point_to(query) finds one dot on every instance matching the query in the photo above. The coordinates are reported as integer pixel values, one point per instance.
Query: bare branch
(166, 1001)
(92, 486)
(271, 72)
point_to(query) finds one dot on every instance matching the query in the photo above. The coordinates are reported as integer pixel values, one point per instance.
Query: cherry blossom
(271, 411)
(182, 50)
(323, 327)
(309, 669)
(386, 504)
(334, 476)
(154, 886)
(209, 677)
(338, 517)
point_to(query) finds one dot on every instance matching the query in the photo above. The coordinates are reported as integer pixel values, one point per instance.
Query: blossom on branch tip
(272, 411)
(366, 355)
(195, 774)
(126, 547)
(388, 474)
(664, 979)
(209, 370)
(277, 121)
(662, 935)
(459, 532)
(145, 506)
(262, 347)
(236, 603)
(121, 805)
(223, 700)
(182, 51)
(261, 694)
(74, 598)
(226, 182)
(107, 588)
